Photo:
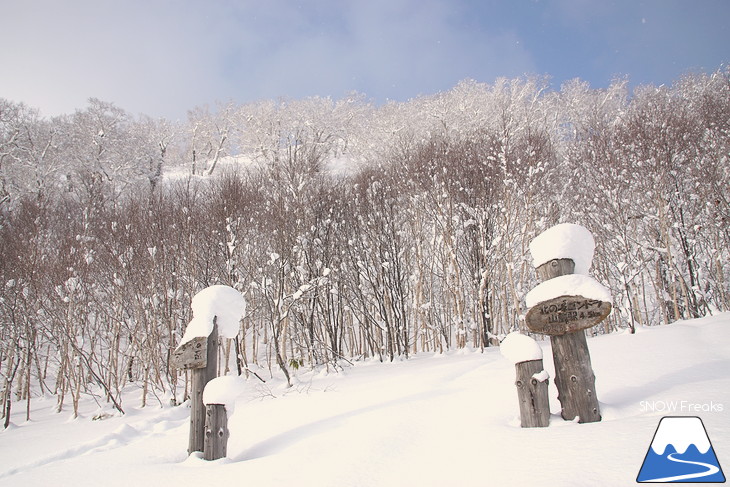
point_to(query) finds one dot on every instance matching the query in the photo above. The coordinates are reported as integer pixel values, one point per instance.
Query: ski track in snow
(711, 470)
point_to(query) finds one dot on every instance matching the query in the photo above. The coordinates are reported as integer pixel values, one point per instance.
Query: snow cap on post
(568, 285)
(518, 348)
(564, 241)
(224, 390)
(223, 302)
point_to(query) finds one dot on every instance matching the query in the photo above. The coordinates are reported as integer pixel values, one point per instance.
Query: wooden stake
(532, 394)
(216, 432)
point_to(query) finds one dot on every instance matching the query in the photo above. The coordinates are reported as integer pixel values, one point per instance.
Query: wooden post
(200, 377)
(574, 376)
(216, 432)
(532, 392)
(555, 268)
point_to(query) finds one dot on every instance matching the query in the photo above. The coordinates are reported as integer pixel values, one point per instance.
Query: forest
(354, 230)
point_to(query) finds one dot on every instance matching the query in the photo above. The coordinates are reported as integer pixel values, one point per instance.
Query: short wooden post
(574, 376)
(200, 377)
(532, 393)
(216, 432)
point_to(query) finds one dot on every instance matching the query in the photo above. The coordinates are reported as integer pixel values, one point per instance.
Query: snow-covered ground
(451, 419)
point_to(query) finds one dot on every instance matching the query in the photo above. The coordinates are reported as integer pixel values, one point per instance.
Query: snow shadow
(281, 441)
(631, 395)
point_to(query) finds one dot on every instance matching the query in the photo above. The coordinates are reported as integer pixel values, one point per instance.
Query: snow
(564, 241)
(680, 432)
(541, 376)
(224, 390)
(517, 348)
(451, 419)
(223, 302)
(568, 285)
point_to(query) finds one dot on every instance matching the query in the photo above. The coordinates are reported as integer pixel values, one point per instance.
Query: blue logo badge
(680, 452)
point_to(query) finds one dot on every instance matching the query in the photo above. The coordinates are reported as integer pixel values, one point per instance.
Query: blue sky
(164, 57)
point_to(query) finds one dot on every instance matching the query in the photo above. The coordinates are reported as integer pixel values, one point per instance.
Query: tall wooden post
(200, 377)
(574, 376)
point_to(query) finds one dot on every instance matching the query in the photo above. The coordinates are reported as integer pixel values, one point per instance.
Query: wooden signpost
(574, 375)
(208, 426)
(564, 318)
(201, 356)
(192, 354)
(566, 314)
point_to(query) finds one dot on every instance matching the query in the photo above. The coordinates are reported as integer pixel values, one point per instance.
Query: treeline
(353, 230)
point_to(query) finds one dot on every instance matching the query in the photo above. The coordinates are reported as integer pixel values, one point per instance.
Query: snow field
(450, 419)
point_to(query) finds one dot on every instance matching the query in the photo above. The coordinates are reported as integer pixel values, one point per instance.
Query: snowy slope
(451, 419)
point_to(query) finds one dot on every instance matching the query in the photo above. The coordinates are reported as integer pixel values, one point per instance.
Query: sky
(163, 57)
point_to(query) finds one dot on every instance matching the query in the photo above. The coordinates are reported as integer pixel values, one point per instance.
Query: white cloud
(158, 58)
(164, 57)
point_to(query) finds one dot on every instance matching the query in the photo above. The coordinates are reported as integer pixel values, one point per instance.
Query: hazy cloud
(163, 57)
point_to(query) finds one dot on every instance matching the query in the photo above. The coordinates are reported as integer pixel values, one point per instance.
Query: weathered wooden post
(216, 432)
(217, 310)
(200, 355)
(563, 306)
(532, 392)
(531, 379)
(220, 399)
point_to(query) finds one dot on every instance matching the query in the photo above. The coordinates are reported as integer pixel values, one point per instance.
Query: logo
(680, 452)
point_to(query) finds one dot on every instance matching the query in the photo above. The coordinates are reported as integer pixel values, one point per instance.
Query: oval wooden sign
(566, 314)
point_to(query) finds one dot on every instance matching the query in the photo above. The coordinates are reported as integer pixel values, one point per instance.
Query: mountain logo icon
(680, 452)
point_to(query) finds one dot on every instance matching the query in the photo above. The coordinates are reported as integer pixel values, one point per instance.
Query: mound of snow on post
(568, 285)
(224, 390)
(222, 302)
(564, 241)
(517, 348)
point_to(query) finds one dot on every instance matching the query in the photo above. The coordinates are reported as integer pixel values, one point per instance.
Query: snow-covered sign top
(220, 301)
(568, 285)
(566, 303)
(564, 241)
